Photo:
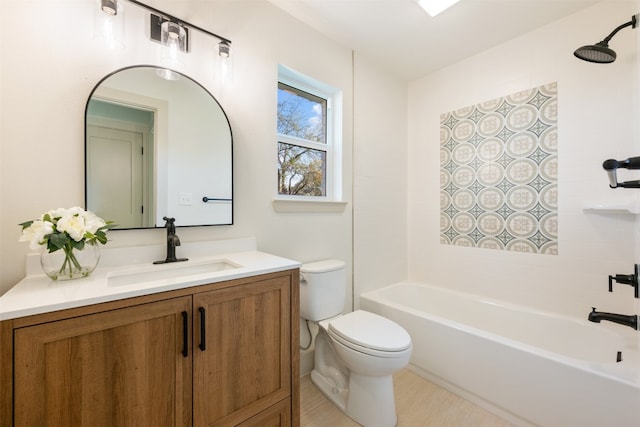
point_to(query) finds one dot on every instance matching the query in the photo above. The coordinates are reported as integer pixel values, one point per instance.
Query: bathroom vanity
(127, 346)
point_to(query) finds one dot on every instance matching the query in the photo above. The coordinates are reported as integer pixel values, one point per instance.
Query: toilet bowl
(368, 343)
(357, 353)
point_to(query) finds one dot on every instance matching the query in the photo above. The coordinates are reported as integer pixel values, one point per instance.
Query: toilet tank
(322, 289)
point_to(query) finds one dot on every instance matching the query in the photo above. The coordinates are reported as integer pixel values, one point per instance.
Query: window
(307, 148)
(302, 142)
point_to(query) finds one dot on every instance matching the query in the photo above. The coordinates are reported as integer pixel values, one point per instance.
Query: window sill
(311, 206)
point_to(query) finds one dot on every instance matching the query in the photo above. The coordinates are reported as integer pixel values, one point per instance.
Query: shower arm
(631, 23)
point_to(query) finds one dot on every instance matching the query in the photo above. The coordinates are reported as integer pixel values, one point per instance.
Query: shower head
(601, 53)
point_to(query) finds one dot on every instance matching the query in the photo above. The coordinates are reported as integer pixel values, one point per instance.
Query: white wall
(597, 120)
(380, 176)
(51, 62)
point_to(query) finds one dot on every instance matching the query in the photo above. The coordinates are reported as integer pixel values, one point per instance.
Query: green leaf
(77, 245)
(108, 226)
(26, 224)
(101, 237)
(57, 240)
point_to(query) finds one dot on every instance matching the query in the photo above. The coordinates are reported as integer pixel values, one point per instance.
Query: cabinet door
(124, 367)
(279, 415)
(243, 367)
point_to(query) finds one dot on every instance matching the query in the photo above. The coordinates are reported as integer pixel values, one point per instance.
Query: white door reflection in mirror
(119, 163)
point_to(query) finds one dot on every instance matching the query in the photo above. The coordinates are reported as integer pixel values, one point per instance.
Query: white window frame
(332, 147)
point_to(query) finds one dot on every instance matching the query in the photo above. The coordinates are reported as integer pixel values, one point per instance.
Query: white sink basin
(168, 271)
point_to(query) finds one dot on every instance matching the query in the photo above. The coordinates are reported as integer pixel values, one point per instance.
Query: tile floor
(419, 403)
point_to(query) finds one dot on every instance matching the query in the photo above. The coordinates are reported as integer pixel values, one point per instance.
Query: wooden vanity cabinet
(130, 363)
(112, 368)
(244, 366)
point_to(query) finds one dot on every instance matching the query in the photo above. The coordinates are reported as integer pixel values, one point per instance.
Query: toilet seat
(369, 333)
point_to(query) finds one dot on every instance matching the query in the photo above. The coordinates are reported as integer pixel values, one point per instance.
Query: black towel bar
(209, 199)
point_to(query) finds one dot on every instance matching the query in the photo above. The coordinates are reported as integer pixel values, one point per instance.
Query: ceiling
(402, 38)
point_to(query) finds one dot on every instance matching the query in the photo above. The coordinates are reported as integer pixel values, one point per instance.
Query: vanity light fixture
(174, 44)
(224, 62)
(108, 23)
(174, 36)
(173, 33)
(110, 7)
(601, 53)
(167, 30)
(224, 50)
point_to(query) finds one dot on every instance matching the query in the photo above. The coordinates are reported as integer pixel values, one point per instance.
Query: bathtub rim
(622, 373)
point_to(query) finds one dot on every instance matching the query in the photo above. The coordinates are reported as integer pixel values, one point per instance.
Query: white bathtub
(532, 368)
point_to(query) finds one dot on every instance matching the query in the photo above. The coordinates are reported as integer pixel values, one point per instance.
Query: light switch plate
(186, 199)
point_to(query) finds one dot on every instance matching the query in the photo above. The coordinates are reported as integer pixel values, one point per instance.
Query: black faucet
(627, 279)
(172, 241)
(623, 319)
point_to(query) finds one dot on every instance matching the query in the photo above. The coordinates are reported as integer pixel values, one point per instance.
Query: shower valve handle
(612, 165)
(627, 279)
(630, 163)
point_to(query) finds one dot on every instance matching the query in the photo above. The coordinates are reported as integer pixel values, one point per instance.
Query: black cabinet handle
(185, 334)
(203, 333)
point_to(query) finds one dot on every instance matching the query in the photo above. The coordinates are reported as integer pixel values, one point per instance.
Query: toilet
(357, 353)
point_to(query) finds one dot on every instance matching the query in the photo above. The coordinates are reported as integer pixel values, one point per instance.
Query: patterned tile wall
(499, 173)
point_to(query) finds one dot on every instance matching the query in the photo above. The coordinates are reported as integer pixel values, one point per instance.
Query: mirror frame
(86, 110)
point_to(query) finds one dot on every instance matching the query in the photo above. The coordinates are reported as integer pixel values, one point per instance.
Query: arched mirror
(156, 145)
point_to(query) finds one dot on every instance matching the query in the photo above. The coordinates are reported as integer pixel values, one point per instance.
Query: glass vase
(70, 263)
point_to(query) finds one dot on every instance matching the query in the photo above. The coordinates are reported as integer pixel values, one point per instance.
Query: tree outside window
(302, 142)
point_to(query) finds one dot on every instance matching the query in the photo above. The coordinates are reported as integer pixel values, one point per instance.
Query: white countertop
(37, 293)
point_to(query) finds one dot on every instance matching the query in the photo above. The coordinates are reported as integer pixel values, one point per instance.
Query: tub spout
(622, 319)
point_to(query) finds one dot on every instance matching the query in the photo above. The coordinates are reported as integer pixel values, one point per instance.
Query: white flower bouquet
(67, 229)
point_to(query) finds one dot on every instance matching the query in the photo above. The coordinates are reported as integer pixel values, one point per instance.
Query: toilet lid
(371, 331)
